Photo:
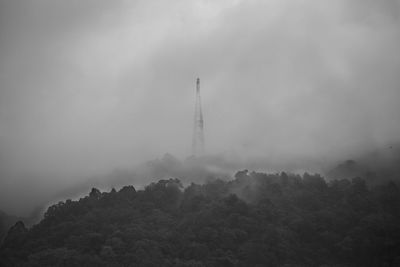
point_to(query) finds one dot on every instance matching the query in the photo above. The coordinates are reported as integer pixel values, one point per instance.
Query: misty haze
(200, 133)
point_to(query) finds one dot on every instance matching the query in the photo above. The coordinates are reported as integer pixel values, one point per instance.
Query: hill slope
(254, 220)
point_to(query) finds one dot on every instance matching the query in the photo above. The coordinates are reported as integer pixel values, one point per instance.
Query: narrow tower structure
(198, 129)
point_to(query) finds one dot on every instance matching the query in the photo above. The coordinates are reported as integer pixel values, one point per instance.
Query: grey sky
(86, 86)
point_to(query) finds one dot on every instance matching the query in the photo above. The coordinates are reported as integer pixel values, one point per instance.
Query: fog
(87, 87)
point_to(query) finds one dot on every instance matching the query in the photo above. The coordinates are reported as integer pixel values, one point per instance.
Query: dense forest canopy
(256, 219)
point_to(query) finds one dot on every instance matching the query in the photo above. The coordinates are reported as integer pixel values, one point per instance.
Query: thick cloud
(86, 86)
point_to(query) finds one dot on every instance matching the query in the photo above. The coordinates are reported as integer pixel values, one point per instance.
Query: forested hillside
(254, 220)
(6, 221)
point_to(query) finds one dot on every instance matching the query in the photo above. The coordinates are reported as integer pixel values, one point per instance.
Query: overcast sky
(86, 86)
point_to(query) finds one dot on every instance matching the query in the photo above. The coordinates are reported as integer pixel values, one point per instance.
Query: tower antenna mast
(198, 129)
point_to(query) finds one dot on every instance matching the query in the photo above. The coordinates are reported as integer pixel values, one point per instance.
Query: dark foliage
(5, 222)
(254, 220)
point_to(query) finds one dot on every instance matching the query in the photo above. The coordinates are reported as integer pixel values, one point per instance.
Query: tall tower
(198, 127)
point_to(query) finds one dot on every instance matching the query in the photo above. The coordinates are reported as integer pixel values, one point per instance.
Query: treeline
(6, 221)
(256, 219)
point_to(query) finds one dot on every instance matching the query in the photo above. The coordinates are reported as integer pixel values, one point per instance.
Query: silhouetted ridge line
(256, 219)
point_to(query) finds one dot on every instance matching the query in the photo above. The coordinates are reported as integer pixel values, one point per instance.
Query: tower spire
(198, 129)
